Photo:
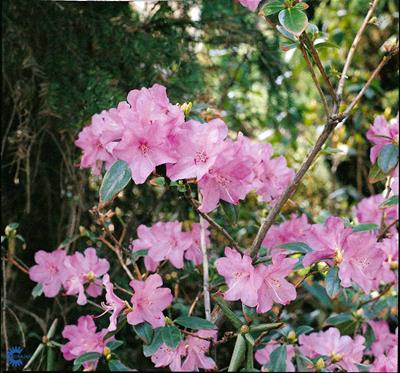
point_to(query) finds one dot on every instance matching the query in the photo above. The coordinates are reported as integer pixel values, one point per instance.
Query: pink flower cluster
(167, 241)
(79, 274)
(83, 338)
(193, 349)
(147, 302)
(148, 131)
(256, 286)
(343, 352)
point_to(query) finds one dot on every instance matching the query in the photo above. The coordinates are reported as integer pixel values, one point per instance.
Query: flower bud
(186, 107)
(244, 329)
(338, 257)
(320, 364)
(292, 338)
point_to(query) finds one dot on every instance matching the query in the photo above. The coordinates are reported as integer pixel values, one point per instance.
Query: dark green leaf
(116, 366)
(89, 356)
(113, 345)
(155, 344)
(273, 7)
(293, 20)
(237, 323)
(265, 327)
(319, 292)
(115, 179)
(393, 200)
(332, 283)
(230, 211)
(278, 360)
(144, 331)
(376, 174)
(364, 227)
(303, 329)
(363, 367)
(37, 291)
(171, 336)
(138, 254)
(300, 247)
(193, 322)
(237, 354)
(388, 157)
(304, 364)
(339, 318)
(369, 336)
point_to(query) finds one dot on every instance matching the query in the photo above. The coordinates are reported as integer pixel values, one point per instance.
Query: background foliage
(63, 62)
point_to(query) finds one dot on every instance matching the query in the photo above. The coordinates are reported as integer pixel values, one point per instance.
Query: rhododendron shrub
(267, 300)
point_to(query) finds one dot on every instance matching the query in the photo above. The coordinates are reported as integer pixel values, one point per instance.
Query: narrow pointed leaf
(115, 179)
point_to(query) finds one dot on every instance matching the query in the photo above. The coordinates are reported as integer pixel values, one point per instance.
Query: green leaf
(369, 336)
(318, 292)
(303, 363)
(144, 331)
(68, 241)
(293, 20)
(116, 366)
(393, 200)
(89, 356)
(249, 356)
(332, 283)
(115, 179)
(339, 319)
(288, 46)
(273, 7)
(286, 34)
(265, 327)
(237, 354)
(303, 329)
(113, 345)
(193, 322)
(237, 323)
(230, 211)
(155, 344)
(300, 247)
(37, 291)
(364, 227)
(388, 157)
(138, 254)
(363, 367)
(278, 360)
(375, 174)
(171, 336)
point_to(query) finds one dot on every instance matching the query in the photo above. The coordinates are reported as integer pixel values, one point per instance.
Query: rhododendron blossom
(386, 363)
(49, 271)
(274, 286)
(240, 276)
(83, 338)
(263, 355)
(382, 133)
(167, 356)
(251, 4)
(384, 340)
(343, 351)
(390, 249)
(368, 211)
(148, 301)
(84, 269)
(196, 352)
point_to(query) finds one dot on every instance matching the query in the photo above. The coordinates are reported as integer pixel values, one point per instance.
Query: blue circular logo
(14, 356)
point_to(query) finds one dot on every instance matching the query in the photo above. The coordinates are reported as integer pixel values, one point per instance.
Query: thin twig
(21, 330)
(317, 60)
(383, 62)
(339, 91)
(386, 229)
(373, 300)
(193, 306)
(314, 78)
(206, 290)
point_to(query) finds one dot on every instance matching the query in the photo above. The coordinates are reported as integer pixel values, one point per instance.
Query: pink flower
(386, 363)
(82, 269)
(198, 149)
(196, 352)
(362, 260)
(167, 356)
(229, 179)
(263, 355)
(343, 351)
(148, 301)
(394, 184)
(295, 229)
(250, 4)
(194, 253)
(49, 271)
(113, 303)
(368, 211)
(390, 249)
(327, 240)
(274, 287)
(240, 277)
(382, 133)
(273, 177)
(384, 339)
(143, 147)
(83, 338)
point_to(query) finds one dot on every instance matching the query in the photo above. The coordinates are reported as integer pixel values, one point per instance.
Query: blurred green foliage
(65, 61)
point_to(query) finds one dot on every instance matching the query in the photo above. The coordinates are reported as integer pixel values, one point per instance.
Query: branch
(373, 300)
(353, 48)
(318, 62)
(383, 62)
(314, 77)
